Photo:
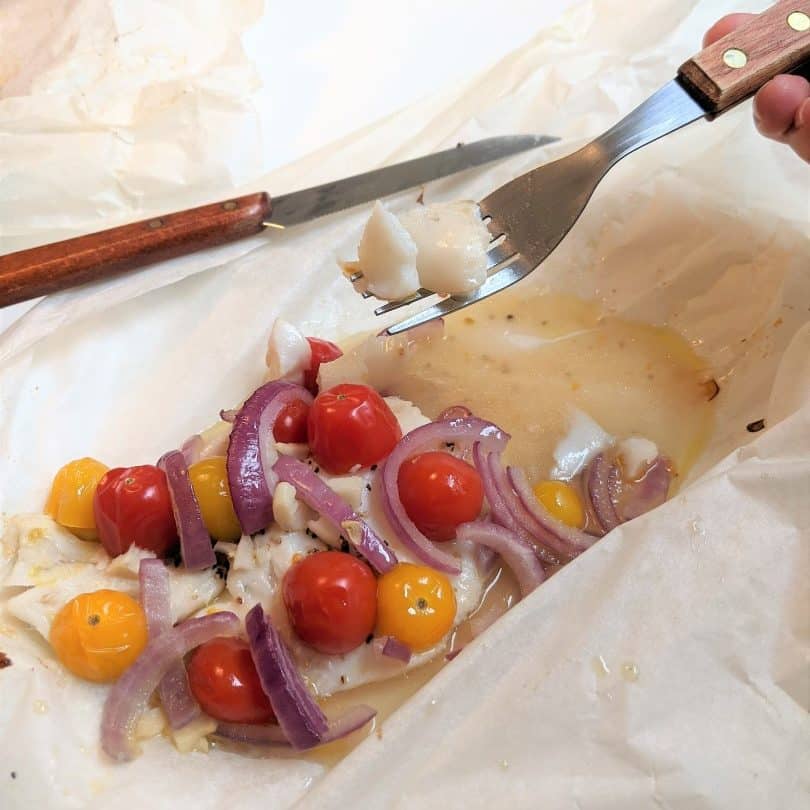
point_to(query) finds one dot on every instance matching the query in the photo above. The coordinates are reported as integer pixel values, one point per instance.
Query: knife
(58, 266)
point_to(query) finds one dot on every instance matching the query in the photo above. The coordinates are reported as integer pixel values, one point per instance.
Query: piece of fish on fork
(529, 216)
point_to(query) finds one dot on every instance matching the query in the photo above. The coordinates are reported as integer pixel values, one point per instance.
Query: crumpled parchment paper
(668, 666)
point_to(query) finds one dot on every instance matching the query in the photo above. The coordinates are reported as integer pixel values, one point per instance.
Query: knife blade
(58, 266)
(319, 201)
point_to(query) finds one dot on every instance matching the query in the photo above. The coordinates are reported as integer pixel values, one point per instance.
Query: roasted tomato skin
(291, 423)
(415, 605)
(223, 679)
(439, 493)
(323, 351)
(209, 480)
(351, 426)
(70, 502)
(331, 600)
(132, 506)
(98, 635)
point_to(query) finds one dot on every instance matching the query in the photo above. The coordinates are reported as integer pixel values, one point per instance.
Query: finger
(776, 105)
(799, 136)
(725, 25)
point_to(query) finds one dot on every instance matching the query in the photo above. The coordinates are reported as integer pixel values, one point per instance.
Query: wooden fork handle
(60, 265)
(736, 66)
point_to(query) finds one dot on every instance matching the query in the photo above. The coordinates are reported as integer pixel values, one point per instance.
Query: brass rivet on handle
(155, 223)
(798, 21)
(229, 206)
(735, 58)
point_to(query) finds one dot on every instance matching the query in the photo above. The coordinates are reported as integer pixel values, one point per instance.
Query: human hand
(782, 106)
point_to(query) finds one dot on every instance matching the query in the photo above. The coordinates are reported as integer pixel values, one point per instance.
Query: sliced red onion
(597, 486)
(647, 493)
(175, 695)
(192, 449)
(272, 735)
(250, 734)
(130, 694)
(495, 494)
(318, 495)
(524, 525)
(468, 431)
(298, 715)
(228, 414)
(349, 721)
(570, 540)
(517, 554)
(391, 647)
(195, 542)
(251, 453)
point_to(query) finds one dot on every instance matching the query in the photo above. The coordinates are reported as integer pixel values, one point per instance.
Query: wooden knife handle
(736, 66)
(60, 265)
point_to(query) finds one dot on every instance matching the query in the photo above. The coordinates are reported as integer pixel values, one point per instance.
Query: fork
(529, 216)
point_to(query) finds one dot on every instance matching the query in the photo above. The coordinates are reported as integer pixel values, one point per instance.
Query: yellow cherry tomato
(70, 502)
(98, 635)
(562, 500)
(416, 605)
(209, 479)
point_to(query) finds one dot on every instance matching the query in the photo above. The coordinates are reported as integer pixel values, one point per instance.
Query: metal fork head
(527, 218)
(533, 212)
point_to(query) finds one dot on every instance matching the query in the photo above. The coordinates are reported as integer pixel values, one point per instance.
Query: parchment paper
(667, 667)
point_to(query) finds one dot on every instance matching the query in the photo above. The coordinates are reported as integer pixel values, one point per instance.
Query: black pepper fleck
(5, 661)
(368, 487)
(317, 469)
(343, 679)
(510, 317)
(755, 427)
(223, 565)
(14, 774)
(373, 467)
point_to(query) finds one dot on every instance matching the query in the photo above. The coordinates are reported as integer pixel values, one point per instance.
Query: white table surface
(330, 67)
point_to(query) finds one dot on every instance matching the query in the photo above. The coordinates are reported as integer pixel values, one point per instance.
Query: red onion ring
(318, 495)
(195, 542)
(175, 695)
(192, 449)
(517, 554)
(251, 734)
(572, 541)
(391, 647)
(469, 431)
(272, 735)
(524, 525)
(648, 492)
(298, 715)
(251, 453)
(597, 486)
(130, 694)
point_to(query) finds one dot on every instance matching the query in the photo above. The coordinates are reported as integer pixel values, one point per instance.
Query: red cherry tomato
(323, 351)
(291, 423)
(223, 678)
(351, 425)
(439, 493)
(132, 507)
(331, 599)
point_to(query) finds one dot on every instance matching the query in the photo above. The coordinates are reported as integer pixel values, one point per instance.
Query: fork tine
(514, 271)
(419, 295)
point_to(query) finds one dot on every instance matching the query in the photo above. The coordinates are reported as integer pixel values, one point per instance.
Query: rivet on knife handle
(60, 265)
(736, 66)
